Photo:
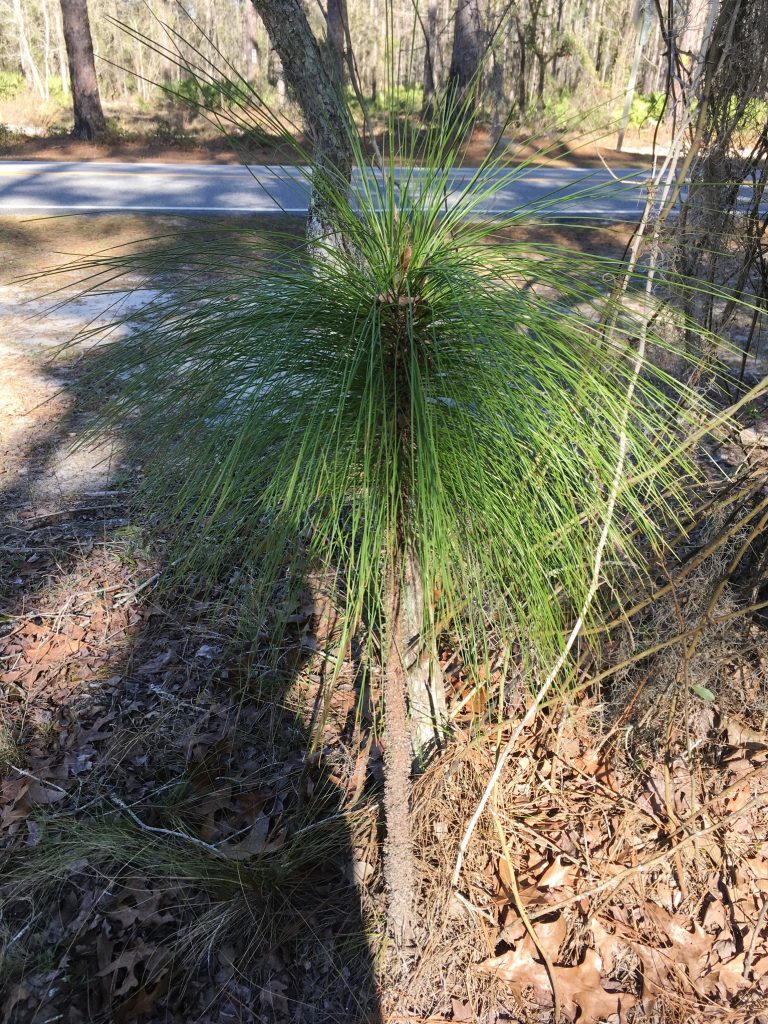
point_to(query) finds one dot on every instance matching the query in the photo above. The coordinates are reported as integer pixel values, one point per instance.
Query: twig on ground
(42, 782)
(755, 936)
(156, 830)
(129, 595)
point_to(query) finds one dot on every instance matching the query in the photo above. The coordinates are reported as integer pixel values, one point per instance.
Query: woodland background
(548, 61)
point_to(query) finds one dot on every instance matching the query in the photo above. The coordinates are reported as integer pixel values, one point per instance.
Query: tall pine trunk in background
(430, 51)
(465, 56)
(335, 18)
(86, 102)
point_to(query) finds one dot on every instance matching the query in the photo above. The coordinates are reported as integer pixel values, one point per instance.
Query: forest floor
(190, 828)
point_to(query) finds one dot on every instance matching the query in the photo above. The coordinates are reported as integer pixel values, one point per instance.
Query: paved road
(30, 187)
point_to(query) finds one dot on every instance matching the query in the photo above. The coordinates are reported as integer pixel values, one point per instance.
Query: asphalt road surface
(41, 187)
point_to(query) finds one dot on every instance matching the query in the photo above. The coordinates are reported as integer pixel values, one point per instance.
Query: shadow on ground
(172, 852)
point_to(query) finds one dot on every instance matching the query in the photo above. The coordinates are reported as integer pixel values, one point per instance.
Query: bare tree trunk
(522, 72)
(89, 118)
(46, 46)
(424, 683)
(335, 19)
(465, 56)
(321, 101)
(642, 25)
(430, 50)
(28, 66)
(399, 874)
(62, 51)
(541, 78)
(250, 42)
(374, 55)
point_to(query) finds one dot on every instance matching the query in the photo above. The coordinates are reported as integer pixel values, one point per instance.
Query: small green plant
(11, 84)
(10, 754)
(169, 133)
(8, 135)
(443, 422)
(646, 109)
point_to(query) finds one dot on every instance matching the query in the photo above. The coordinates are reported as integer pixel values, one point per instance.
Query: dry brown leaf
(714, 917)
(462, 1011)
(557, 875)
(580, 987)
(143, 1000)
(608, 944)
(551, 935)
(730, 978)
(253, 843)
(127, 961)
(42, 794)
(689, 948)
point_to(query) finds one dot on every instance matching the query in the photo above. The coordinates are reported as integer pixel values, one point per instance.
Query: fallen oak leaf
(689, 948)
(580, 987)
(128, 961)
(143, 1000)
(253, 843)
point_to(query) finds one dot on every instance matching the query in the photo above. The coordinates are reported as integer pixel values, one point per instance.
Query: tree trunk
(541, 78)
(28, 66)
(465, 58)
(46, 47)
(374, 52)
(522, 71)
(335, 30)
(89, 118)
(424, 683)
(430, 51)
(250, 42)
(399, 874)
(322, 103)
(642, 35)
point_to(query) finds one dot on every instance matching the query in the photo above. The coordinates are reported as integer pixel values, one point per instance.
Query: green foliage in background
(646, 110)
(11, 84)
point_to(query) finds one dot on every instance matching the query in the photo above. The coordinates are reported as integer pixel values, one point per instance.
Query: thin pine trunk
(86, 102)
(319, 94)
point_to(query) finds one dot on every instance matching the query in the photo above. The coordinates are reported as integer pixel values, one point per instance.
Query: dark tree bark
(430, 50)
(522, 70)
(319, 95)
(335, 31)
(465, 56)
(89, 118)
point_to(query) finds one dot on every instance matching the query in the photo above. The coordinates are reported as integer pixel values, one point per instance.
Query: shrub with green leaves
(646, 109)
